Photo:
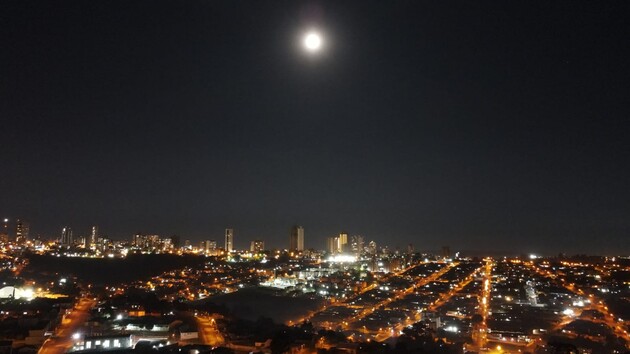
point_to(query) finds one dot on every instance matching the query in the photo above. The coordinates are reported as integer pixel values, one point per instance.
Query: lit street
(63, 341)
(208, 332)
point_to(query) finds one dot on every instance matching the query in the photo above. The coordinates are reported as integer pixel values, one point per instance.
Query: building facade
(93, 235)
(21, 231)
(229, 240)
(343, 242)
(332, 244)
(357, 244)
(296, 238)
(66, 236)
(257, 246)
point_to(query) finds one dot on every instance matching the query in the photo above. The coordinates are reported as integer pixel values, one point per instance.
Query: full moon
(312, 42)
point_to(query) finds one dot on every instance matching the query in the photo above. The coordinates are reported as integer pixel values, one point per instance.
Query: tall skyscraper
(66, 236)
(229, 240)
(296, 238)
(343, 242)
(4, 232)
(332, 245)
(93, 235)
(257, 246)
(21, 231)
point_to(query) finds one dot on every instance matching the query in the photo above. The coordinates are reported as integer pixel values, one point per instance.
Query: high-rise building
(4, 232)
(81, 241)
(148, 242)
(257, 246)
(66, 236)
(93, 235)
(209, 245)
(296, 238)
(21, 231)
(137, 240)
(332, 245)
(229, 240)
(371, 248)
(165, 244)
(343, 242)
(356, 244)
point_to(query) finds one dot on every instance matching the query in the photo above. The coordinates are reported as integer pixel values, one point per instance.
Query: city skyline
(341, 242)
(491, 126)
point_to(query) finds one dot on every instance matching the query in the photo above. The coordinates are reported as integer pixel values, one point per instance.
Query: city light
(313, 176)
(342, 258)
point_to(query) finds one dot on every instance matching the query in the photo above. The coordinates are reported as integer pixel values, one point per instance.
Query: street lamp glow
(312, 42)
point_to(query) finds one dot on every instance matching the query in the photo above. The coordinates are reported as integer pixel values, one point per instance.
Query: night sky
(481, 125)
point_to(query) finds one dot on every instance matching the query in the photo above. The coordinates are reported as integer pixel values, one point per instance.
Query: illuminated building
(257, 246)
(137, 240)
(296, 238)
(343, 242)
(93, 235)
(103, 342)
(66, 236)
(208, 245)
(356, 244)
(229, 240)
(332, 244)
(4, 233)
(21, 231)
(371, 248)
(149, 242)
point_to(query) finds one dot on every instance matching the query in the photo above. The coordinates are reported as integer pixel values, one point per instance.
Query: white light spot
(312, 41)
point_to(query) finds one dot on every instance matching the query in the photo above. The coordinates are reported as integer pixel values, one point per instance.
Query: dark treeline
(110, 271)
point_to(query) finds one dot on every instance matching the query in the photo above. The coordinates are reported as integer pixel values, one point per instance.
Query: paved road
(208, 331)
(595, 304)
(420, 282)
(63, 341)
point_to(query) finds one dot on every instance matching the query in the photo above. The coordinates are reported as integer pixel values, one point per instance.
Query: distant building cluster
(21, 228)
(91, 243)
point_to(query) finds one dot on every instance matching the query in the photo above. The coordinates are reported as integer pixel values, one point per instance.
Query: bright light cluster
(342, 258)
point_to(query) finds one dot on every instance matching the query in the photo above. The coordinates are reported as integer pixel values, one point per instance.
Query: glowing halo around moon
(312, 42)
